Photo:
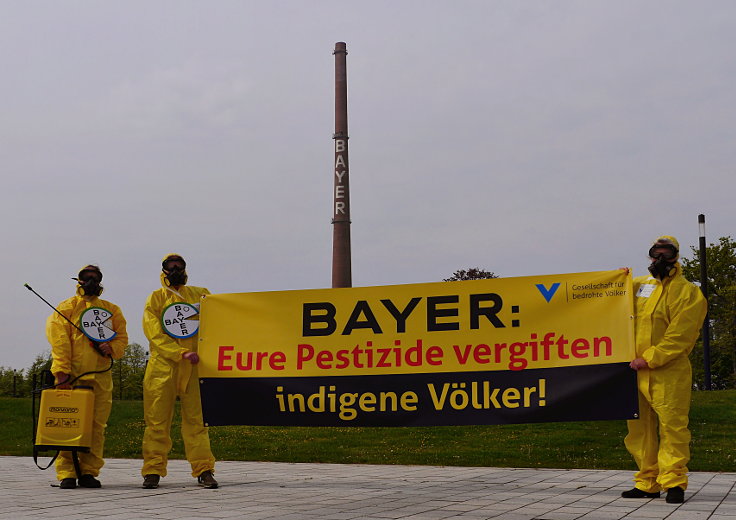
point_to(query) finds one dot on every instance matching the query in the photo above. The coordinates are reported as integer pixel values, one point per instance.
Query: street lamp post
(704, 288)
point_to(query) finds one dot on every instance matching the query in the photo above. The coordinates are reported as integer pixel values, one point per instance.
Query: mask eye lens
(666, 251)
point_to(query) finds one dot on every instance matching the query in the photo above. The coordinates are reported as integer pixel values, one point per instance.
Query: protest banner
(503, 350)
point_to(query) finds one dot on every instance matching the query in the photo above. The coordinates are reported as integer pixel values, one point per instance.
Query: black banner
(580, 393)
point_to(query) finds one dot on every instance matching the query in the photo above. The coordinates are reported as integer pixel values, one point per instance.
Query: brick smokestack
(341, 256)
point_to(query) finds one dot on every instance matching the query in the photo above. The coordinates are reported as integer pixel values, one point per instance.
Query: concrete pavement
(260, 490)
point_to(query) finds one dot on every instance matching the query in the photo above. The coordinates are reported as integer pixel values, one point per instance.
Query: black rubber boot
(68, 483)
(675, 495)
(88, 481)
(151, 481)
(638, 493)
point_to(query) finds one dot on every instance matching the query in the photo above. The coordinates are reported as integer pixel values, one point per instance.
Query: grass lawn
(587, 445)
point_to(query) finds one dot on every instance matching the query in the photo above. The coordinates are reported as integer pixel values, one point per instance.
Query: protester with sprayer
(172, 371)
(669, 312)
(75, 354)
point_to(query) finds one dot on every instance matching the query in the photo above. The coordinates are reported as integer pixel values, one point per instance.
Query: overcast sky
(525, 138)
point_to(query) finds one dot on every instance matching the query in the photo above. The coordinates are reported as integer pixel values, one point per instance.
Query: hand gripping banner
(504, 350)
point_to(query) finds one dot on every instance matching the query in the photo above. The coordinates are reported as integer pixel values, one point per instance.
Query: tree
(40, 365)
(12, 383)
(472, 273)
(721, 263)
(18, 383)
(128, 373)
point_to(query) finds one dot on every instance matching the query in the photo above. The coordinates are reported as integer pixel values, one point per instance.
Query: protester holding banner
(170, 324)
(75, 353)
(669, 312)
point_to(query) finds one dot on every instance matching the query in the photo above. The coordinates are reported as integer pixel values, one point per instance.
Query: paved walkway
(257, 490)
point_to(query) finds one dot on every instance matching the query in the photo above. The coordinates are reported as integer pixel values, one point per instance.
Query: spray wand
(94, 345)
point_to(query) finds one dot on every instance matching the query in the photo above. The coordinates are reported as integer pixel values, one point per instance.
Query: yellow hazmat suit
(168, 375)
(73, 354)
(668, 316)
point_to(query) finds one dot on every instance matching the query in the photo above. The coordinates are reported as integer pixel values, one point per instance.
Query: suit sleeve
(120, 341)
(687, 313)
(59, 335)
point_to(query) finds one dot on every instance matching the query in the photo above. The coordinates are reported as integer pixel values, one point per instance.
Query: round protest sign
(96, 324)
(180, 320)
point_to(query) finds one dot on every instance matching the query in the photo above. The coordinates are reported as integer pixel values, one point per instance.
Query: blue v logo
(548, 293)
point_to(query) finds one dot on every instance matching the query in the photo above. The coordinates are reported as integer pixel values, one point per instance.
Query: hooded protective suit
(168, 375)
(73, 354)
(668, 317)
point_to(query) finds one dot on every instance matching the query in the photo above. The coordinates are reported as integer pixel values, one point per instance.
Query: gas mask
(174, 269)
(176, 276)
(664, 261)
(88, 281)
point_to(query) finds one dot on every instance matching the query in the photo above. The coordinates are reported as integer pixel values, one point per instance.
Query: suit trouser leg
(194, 432)
(642, 442)
(158, 410)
